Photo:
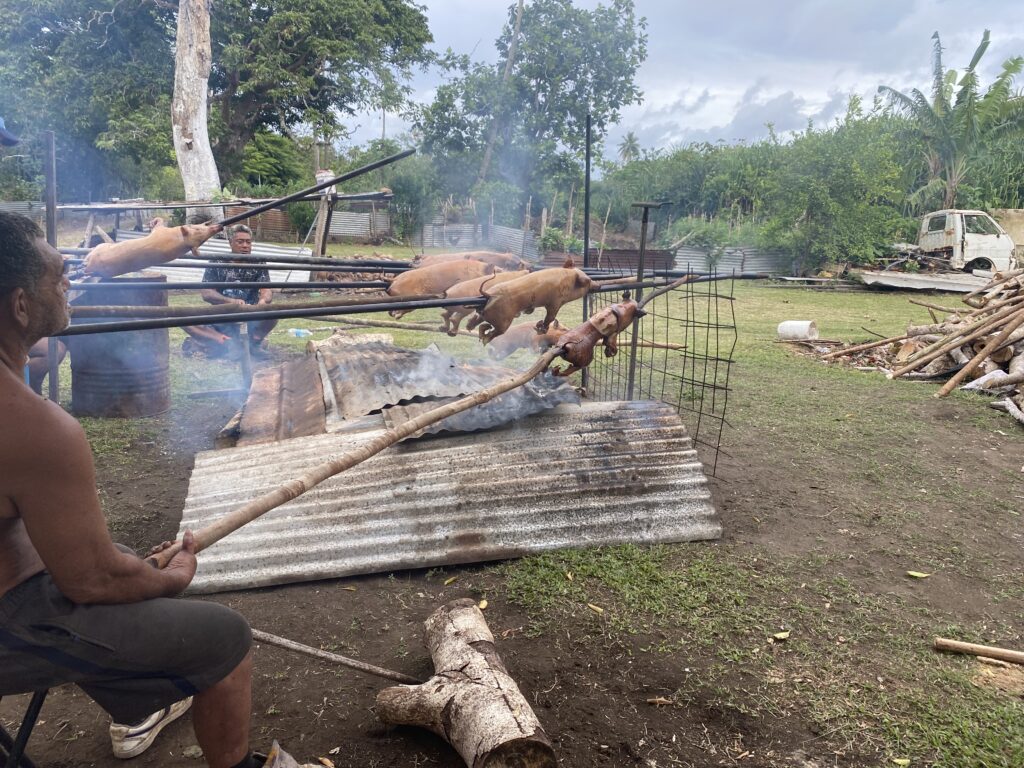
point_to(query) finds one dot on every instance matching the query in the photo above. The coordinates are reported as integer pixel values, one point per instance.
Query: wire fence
(681, 354)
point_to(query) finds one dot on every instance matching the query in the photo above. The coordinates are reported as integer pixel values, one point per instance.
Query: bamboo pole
(867, 345)
(987, 350)
(988, 651)
(205, 537)
(941, 348)
(968, 333)
(947, 310)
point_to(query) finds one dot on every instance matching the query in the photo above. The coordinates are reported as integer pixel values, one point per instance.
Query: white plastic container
(798, 329)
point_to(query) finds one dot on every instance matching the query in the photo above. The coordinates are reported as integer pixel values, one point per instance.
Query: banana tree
(958, 121)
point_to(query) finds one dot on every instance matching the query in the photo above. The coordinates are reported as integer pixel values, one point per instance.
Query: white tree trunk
(471, 700)
(192, 61)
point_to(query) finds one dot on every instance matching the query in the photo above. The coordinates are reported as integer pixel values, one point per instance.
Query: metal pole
(316, 188)
(585, 376)
(631, 380)
(50, 170)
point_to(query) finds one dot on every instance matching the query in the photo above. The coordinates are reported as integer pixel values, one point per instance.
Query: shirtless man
(74, 607)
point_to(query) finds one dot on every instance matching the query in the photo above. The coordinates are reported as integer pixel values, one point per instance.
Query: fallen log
(987, 651)
(471, 701)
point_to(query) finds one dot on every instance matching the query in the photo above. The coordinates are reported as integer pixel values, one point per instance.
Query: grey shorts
(132, 659)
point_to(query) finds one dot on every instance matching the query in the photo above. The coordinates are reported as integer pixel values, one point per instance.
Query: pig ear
(568, 263)
(582, 280)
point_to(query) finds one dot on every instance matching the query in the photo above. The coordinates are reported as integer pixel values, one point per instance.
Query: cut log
(1008, 329)
(471, 701)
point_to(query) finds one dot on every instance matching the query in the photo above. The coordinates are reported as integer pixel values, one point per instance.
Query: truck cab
(969, 240)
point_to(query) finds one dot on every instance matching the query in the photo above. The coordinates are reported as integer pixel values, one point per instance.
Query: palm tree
(958, 121)
(629, 148)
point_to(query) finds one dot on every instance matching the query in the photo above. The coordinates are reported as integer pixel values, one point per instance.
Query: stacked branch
(980, 346)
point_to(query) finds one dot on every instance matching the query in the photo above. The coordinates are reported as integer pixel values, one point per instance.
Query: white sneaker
(133, 740)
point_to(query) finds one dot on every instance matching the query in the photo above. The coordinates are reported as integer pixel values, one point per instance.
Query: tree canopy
(100, 73)
(568, 62)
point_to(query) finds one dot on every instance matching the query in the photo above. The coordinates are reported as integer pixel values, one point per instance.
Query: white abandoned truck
(959, 240)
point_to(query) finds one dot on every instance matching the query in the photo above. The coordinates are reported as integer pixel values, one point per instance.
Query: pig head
(161, 245)
(435, 279)
(604, 326)
(525, 336)
(548, 288)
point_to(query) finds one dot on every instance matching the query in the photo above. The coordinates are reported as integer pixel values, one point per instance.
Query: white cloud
(722, 70)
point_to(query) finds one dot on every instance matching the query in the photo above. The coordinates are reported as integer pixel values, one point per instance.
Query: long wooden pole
(291, 489)
(988, 651)
(862, 347)
(316, 653)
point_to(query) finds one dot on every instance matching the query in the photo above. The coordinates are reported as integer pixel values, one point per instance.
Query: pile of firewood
(981, 343)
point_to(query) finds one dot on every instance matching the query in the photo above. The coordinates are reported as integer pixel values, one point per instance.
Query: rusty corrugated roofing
(367, 377)
(603, 473)
(538, 395)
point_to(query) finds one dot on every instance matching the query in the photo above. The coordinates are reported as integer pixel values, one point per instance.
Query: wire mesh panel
(681, 354)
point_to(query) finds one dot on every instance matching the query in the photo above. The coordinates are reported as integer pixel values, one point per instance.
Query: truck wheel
(983, 264)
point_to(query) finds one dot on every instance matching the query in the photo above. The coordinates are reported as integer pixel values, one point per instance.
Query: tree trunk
(192, 61)
(471, 700)
(499, 112)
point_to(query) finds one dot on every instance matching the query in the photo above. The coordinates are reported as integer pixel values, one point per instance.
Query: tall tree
(958, 120)
(567, 62)
(188, 107)
(629, 148)
(101, 73)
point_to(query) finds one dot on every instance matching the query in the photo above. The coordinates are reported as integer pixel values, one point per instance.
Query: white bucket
(798, 329)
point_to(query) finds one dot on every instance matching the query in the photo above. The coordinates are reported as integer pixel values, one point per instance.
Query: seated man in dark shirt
(219, 340)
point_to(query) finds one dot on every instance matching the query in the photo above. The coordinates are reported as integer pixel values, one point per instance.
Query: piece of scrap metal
(604, 473)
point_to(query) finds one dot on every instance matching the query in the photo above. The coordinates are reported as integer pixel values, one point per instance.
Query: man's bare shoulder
(35, 429)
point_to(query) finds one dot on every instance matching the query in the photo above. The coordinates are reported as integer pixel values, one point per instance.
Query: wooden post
(471, 701)
(988, 651)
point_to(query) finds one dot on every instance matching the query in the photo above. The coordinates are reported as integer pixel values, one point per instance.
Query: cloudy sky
(722, 70)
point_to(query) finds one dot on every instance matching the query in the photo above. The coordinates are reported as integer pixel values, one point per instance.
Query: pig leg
(474, 321)
(458, 314)
(611, 345)
(446, 319)
(551, 310)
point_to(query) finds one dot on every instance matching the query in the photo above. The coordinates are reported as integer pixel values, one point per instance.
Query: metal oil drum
(123, 374)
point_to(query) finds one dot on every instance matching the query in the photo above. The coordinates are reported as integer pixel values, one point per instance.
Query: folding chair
(12, 751)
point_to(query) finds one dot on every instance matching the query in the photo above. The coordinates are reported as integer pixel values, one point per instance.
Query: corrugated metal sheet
(361, 225)
(219, 248)
(522, 243)
(536, 396)
(29, 208)
(734, 260)
(606, 473)
(367, 377)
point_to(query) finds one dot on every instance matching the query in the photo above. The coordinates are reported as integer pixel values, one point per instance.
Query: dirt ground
(588, 684)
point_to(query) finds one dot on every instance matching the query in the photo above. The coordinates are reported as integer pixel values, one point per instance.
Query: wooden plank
(302, 410)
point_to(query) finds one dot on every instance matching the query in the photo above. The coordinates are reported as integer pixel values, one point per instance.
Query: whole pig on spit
(471, 289)
(161, 245)
(603, 327)
(548, 288)
(504, 261)
(435, 280)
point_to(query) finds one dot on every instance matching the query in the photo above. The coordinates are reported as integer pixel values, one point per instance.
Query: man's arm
(55, 493)
(213, 296)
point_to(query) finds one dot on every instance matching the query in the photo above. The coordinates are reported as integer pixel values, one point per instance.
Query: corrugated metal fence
(30, 208)
(469, 237)
(370, 226)
(734, 260)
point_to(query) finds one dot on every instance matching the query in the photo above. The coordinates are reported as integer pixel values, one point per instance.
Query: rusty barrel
(123, 374)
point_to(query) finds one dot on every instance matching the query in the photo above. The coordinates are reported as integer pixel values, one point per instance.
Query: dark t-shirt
(238, 275)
